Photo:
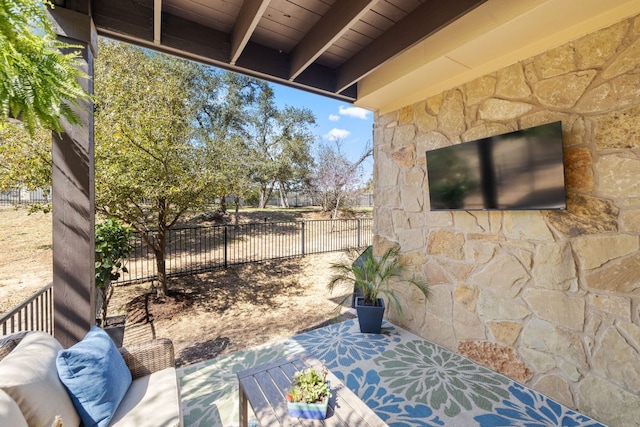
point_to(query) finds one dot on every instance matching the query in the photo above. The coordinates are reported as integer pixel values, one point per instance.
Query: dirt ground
(205, 315)
(25, 255)
(229, 310)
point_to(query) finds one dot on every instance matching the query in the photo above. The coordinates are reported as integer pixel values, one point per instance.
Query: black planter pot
(115, 329)
(370, 316)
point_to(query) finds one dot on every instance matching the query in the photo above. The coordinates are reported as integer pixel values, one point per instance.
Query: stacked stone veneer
(550, 298)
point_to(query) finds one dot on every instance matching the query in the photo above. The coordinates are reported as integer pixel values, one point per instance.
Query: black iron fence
(19, 197)
(199, 249)
(295, 199)
(33, 314)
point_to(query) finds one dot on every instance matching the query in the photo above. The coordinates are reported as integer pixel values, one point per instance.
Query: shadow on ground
(251, 304)
(200, 351)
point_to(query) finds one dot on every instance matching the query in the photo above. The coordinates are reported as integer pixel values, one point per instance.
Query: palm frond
(372, 276)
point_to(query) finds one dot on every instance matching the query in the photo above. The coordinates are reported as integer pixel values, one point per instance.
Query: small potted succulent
(309, 394)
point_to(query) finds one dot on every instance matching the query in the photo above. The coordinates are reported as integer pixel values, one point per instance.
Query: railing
(18, 197)
(301, 199)
(199, 249)
(33, 314)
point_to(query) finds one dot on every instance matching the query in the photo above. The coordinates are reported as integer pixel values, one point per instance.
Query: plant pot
(357, 293)
(370, 316)
(314, 411)
(115, 328)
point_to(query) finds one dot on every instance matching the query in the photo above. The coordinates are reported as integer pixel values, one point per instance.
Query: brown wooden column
(74, 197)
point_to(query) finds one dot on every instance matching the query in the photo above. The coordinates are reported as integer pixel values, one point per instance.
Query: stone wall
(550, 298)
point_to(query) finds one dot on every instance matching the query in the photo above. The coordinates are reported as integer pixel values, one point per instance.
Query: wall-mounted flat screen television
(513, 171)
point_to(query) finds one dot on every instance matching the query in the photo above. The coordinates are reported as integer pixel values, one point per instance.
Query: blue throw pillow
(96, 377)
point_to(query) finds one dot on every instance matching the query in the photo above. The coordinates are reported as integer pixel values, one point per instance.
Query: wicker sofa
(31, 384)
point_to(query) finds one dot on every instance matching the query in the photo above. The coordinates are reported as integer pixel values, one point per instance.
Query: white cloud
(356, 112)
(334, 117)
(337, 134)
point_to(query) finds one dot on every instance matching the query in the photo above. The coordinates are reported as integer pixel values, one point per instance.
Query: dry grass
(25, 255)
(205, 315)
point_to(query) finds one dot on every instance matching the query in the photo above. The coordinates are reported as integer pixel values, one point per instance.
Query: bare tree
(335, 176)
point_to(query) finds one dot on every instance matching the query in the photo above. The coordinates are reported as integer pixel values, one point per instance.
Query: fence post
(225, 247)
(302, 232)
(358, 232)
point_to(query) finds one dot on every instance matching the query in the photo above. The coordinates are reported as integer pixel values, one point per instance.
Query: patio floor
(405, 379)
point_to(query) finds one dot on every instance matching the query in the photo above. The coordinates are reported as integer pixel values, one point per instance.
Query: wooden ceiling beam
(329, 28)
(157, 21)
(273, 65)
(122, 19)
(425, 20)
(133, 21)
(246, 22)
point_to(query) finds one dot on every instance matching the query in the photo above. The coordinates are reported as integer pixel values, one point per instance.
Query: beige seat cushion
(29, 375)
(151, 401)
(10, 414)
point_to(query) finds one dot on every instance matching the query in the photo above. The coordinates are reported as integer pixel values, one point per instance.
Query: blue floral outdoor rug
(406, 380)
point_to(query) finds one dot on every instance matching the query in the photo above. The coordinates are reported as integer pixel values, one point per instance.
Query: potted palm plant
(113, 245)
(370, 277)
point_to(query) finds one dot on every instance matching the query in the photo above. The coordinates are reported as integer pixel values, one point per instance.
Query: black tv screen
(517, 170)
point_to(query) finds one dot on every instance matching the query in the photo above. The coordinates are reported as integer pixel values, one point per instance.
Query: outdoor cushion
(96, 376)
(151, 402)
(28, 374)
(10, 414)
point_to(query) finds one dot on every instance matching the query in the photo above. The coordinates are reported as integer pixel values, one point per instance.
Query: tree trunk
(159, 250)
(283, 198)
(265, 193)
(161, 265)
(236, 212)
(223, 204)
(263, 198)
(335, 210)
(106, 292)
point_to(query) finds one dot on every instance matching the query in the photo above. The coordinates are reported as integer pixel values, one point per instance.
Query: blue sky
(352, 125)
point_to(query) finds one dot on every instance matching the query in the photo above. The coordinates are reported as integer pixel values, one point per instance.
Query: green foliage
(372, 277)
(38, 83)
(309, 386)
(281, 142)
(149, 171)
(113, 245)
(251, 144)
(25, 158)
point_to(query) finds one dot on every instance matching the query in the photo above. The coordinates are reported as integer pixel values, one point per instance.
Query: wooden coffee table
(265, 387)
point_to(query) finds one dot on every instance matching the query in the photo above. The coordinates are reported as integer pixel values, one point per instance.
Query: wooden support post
(74, 197)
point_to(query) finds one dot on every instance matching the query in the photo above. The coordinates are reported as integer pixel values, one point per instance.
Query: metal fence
(19, 197)
(199, 249)
(295, 199)
(33, 314)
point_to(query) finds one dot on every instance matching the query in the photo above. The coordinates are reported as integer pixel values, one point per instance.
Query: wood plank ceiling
(324, 46)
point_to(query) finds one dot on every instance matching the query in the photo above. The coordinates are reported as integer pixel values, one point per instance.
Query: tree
(281, 143)
(294, 160)
(25, 159)
(335, 177)
(250, 141)
(38, 83)
(149, 170)
(227, 101)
